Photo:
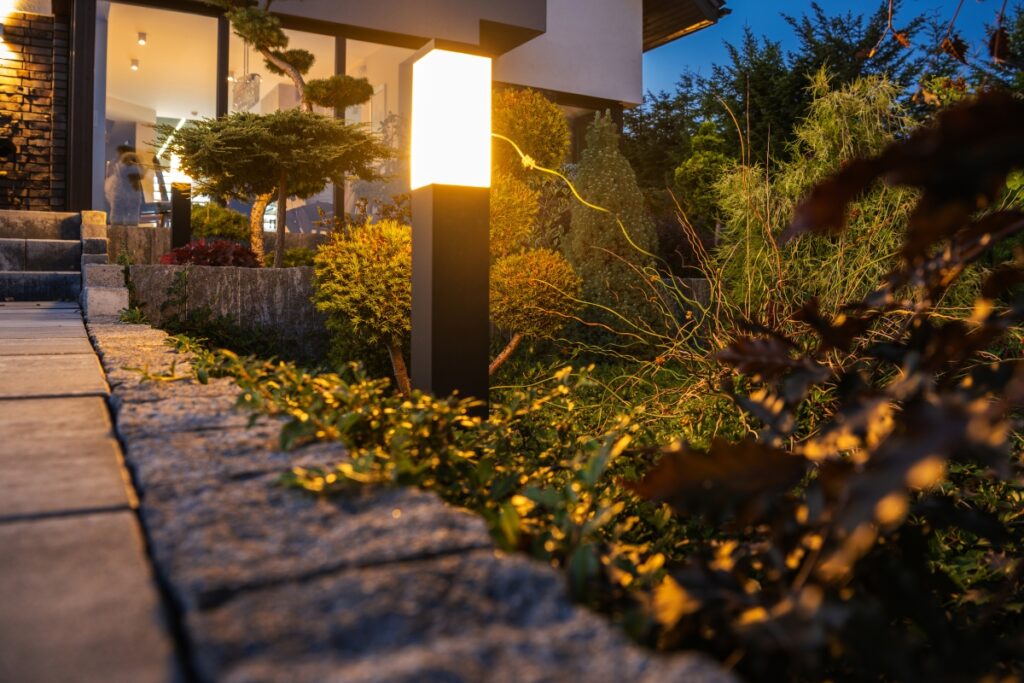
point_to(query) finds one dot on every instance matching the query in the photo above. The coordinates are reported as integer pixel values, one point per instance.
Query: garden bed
(380, 584)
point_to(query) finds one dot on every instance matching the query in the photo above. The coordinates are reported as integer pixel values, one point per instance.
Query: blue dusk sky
(697, 52)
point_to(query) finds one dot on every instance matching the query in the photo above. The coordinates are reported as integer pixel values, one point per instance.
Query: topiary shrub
(533, 293)
(363, 282)
(299, 256)
(595, 245)
(514, 208)
(213, 220)
(215, 253)
(533, 122)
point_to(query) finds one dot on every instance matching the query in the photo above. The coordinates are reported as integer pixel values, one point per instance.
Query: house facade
(84, 79)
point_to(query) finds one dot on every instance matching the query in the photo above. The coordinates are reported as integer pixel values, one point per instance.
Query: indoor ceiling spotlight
(231, 76)
(135, 65)
(142, 38)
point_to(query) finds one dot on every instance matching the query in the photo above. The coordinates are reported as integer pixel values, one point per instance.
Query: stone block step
(40, 286)
(40, 255)
(40, 225)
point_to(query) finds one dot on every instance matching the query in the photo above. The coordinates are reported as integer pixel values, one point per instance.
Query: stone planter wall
(145, 245)
(274, 301)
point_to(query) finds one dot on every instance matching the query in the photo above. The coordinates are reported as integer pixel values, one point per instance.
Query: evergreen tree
(254, 23)
(292, 152)
(595, 245)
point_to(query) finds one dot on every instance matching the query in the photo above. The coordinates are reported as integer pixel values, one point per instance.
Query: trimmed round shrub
(533, 292)
(363, 282)
(533, 122)
(514, 208)
(213, 220)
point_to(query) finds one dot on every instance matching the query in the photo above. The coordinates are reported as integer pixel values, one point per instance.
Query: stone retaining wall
(263, 300)
(145, 245)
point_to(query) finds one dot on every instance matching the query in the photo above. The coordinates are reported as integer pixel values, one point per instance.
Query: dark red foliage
(214, 253)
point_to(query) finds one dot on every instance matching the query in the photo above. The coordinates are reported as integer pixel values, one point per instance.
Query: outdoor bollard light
(450, 178)
(181, 214)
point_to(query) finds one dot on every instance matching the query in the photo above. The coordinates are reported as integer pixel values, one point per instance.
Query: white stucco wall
(591, 47)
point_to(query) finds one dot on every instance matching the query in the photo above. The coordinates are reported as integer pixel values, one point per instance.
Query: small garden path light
(450, 178)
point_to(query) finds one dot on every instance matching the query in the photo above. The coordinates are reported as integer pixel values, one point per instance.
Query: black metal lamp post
(450, 164)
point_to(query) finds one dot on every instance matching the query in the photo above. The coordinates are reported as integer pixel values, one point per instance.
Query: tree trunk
(293, 73)
(512, 345)
(282, 220)
(259, 208)
(398, 364)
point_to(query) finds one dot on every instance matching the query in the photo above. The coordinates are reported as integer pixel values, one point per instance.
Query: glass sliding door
(379, 64)
(153, 66)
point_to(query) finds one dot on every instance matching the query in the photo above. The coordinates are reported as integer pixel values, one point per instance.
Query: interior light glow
(451, 120)
(5, 50)
(135, 65)
(142, 38)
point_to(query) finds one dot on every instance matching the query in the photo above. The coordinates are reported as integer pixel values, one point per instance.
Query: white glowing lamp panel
(451, 120)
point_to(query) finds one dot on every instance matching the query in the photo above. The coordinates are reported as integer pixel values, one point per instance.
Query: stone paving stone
(472, 617)
(40, 305)
(39, 313)
(143, 414)
(79, 603)
(582, 649)
(30, 376)
(45, 347)
(225, 535)
(71, 418)
(60, 475)
(41, 331)
(44, 322)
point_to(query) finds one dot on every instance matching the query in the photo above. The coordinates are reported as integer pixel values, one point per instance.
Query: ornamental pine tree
(290, 153)
(254, 24)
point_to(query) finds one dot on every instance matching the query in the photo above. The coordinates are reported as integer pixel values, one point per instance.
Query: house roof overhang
(667, 20)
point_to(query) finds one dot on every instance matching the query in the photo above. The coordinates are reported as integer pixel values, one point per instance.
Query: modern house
(80, 78)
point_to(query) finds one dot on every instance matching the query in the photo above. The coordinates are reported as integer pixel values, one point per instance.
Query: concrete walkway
(78, 598)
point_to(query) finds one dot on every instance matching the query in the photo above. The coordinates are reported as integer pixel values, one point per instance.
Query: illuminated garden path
(77, 597)
(262, 584)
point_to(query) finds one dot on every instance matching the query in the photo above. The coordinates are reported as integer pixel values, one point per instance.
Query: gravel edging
(381, 585)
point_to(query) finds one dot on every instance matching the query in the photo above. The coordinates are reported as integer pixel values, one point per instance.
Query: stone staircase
(55, 256)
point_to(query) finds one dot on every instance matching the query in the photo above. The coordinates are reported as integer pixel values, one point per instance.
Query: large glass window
(254, 88)
(153, 66)
(379, 64)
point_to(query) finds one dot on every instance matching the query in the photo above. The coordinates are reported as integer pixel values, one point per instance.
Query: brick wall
(34, 112)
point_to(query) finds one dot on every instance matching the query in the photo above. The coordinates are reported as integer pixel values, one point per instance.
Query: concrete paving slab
(33, 376)
(79, 603)
(46, 476)
(15, 321)
(17, 305)
(71, 418)
(38, 332)
(40, 313)
(45, 347)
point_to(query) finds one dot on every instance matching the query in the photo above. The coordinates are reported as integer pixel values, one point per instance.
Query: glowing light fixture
(451, 120)
(142, 38)
(5, 50)
(231, 76)
(135, 65)
(450, 177)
